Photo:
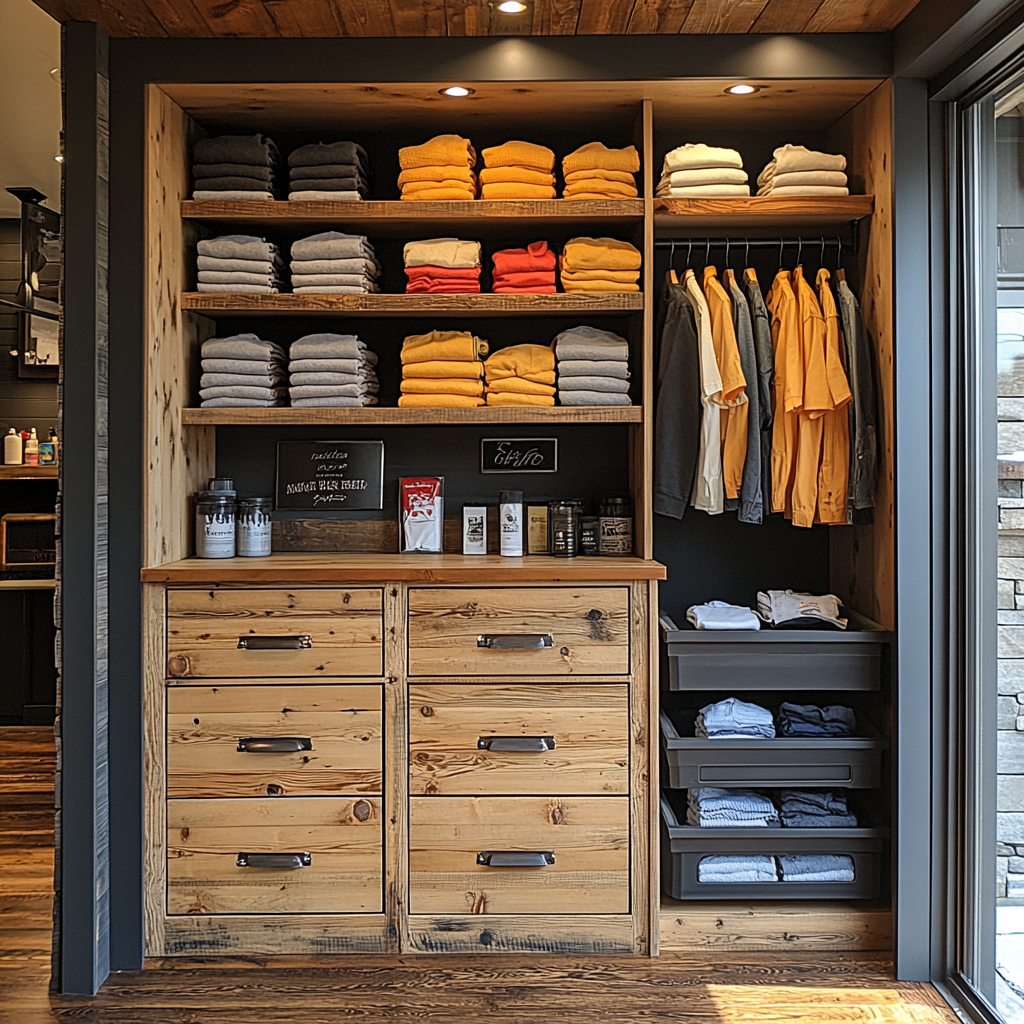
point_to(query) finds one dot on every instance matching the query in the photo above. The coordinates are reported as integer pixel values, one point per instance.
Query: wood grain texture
(287, 935)
(205, 724)
(644, 829)
(396, 779)
(311, 19)
(154, 779)
(343, 837)
(418, 17)
(204, 628)
(651, 17)
(589, 626)
(589, 729)
(28, 472)
(710, 17)
(603, 17)
(555, 17)
(785, 15)
(589, 837)
(367, 18)
(509, 934)
(767, 213)
(864, 16)
(643, 435)
(379, 415)
(245, 18)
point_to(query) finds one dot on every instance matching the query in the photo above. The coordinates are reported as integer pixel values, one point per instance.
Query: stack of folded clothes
(709, 807)
(518, 170)
(239, 263)
(525, 271)
(333, 263)
(443, 266)
(799, 171)
(596, 172)
(734, 719)
(696, 170)
(817, 867)
(787, 609)
(443, 369)
(521, 375)
(242, 371)
(328, 170)
(235, 167)
(439, 169)
(719, 615)
(737, 868)
(600, 265)
(808, 720)
(331, 370)
(593, 367)
(815, 808)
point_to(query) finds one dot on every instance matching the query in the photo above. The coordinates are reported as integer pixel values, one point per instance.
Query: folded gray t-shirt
(242, 346)
(593, 368)
(327, 346)
(610, 384)
(238, 247)
(592, 398)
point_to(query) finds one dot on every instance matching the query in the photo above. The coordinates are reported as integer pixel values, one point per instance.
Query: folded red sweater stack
(443, 266)
(529, 270)
(440, 280)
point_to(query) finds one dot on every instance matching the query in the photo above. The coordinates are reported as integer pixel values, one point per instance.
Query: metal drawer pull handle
(274, 744)
(516, 641)
(302, 642)
(274, 860)
(537, 743)
(515, 858)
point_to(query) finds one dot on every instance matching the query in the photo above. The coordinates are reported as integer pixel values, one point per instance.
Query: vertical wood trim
(645, 512)
(396, 769)
(154, 785)
(653, 768)
(644, 924)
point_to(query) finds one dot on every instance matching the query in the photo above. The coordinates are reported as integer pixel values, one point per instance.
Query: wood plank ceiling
(331, 18)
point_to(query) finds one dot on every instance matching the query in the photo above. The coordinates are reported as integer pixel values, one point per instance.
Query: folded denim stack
(521, 375)
(593, 367)
(525, 271)
(443, 369)
(235, 167)
(815, 808)
(799, 171)
(596, 172)
(786, 609)
(737, 868)
(600, 265)
(734, 719)
(239, 263)
(818, 867)
(719, 615)
(333, 263)
(439, 169)
(328, 170)
(242, 371)
(331, 370)
(709, 807)
(442, 266)
(808, 720)
(517, 170)
(696, 170)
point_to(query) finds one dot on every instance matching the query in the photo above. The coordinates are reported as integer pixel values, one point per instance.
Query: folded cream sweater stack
(799, 171)
(694, 170)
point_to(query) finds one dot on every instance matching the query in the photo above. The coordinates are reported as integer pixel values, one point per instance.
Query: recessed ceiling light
(742, 89)
(55, 74)
(59, 158)
(512, 7)
(456, 90)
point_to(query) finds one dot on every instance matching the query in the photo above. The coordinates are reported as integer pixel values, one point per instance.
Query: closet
(396, 837)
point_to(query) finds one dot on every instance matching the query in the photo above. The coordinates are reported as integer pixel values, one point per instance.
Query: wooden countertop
(361, 568)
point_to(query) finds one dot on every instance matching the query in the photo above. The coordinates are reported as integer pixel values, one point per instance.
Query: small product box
(537, 529)
(421, 512)
(474, 529)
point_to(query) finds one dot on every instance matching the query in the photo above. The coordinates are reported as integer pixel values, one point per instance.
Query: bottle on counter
(32, 449)
(12, 448)
(252, 527)
(48, 450)
(615, 526)
(564, 528)
(510, 523)
(215, 520)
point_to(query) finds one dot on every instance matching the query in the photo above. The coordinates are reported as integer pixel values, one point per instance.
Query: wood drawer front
(342, 837)
(204, 628)
(492, 740)
(206, 724)
(588, 836)
(589, 627)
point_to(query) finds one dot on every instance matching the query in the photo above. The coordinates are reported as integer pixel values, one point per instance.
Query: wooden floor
(729, 987)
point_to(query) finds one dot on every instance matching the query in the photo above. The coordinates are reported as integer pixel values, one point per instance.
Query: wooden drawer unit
(308, 855)
(293, 740)
(516, 740)
(519, 855)
(248, 633)
(519, 631)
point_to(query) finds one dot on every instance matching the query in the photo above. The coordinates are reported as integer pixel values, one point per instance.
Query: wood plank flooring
(693, 988)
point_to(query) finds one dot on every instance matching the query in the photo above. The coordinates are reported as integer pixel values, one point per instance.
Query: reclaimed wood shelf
(404, 305)
(765, 213)
(28, 472)
(283, 416)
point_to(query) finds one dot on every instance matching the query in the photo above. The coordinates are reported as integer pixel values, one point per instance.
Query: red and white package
(421, 500)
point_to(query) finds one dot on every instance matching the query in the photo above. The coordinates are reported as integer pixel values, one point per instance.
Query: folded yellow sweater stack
(442, 369)
(439, 169)
(521, 375)
(518, 170)
(596, 172)
(600, 265)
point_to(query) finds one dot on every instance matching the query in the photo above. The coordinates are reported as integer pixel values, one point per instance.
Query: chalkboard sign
(519, 455)
(330, 476)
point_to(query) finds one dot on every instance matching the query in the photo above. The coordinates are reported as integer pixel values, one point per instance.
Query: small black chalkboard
(519, 455)
(330, 476)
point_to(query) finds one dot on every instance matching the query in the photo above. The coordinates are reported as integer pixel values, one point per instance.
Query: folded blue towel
(821, 867)
(737, 868)
(735, 718)
(710, 807)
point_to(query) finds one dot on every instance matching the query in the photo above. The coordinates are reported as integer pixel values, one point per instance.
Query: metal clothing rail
(784, 245)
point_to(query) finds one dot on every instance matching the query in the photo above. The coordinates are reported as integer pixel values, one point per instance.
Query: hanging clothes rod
(823, 243)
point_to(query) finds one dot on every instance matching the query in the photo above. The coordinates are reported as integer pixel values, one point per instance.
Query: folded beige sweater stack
(799, 171)
(695, 170)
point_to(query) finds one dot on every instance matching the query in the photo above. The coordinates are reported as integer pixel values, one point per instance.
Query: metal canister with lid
(564, 528)
(215, 520)
(252, 527)
(615, 526)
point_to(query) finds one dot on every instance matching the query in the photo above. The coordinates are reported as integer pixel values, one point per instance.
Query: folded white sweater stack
(799, 171)
(695, 170)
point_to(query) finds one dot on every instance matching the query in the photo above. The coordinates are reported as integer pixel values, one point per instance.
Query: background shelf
(287, 416)
(765, 214)
(28, 472)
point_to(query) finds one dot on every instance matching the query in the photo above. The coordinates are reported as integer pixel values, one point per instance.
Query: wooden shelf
(487, 304)
(28, 472)
(286, 416)
(761, 212)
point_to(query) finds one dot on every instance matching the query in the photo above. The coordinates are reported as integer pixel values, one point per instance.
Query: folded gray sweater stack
(333, 370)
(239, 263)
(593, 367)
(333, 263)
(235, 167)
(242, 371)
(338, 171)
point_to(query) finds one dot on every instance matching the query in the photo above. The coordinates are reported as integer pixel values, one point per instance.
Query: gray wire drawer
(771, 659)
(853, 762)
(684, 846)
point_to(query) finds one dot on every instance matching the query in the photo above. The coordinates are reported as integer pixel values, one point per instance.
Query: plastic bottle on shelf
(32, 449)
(12, 448)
